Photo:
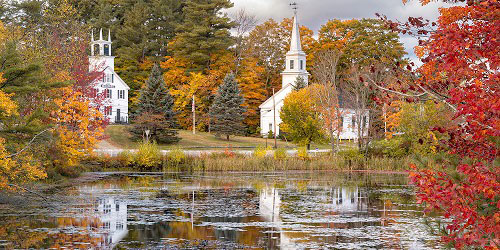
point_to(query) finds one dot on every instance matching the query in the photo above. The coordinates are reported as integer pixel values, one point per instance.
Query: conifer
(227, 110)
(299, 83)
(155, 111)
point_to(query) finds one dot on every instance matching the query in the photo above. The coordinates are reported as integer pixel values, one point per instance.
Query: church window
(108, 110)
(106, 50)
(291, 64)
(353, 120)
(112, 78)
(93, 93)
(301, 64)
(96, 49)
(121, 94)
(109, 94)
(270, 127)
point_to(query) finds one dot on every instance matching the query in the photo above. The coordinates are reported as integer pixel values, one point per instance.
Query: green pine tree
(204, 31)
(227, 111)
(299, 83)
(155, 111)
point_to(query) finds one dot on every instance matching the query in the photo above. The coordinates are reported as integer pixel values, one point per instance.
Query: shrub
(148, 155)
(176, 156)
(395, 147)
(125, 158)
(280, 154)
(260, 152)
(302, 153)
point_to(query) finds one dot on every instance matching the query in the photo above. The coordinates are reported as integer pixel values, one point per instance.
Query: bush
(125, 158)
(148, 155)
(396, 147)
(280, 154)
(176, 156)
(302, 153)
(351, 155)
(260, 152)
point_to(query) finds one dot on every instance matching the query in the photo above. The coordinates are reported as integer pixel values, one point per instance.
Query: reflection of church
(349, 200)
(113, 217)
(344, 200)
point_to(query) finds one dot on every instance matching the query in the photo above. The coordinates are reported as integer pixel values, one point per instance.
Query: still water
(326, 210)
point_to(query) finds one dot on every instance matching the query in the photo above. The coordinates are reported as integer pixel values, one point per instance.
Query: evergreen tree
(299, 83)
(204, 31)
(155, 111)
(227, 111)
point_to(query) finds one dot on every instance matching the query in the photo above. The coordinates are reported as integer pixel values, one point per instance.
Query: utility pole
(193, 109)
(274, 123)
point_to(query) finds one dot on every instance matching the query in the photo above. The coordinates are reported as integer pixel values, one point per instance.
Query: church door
(118, 115)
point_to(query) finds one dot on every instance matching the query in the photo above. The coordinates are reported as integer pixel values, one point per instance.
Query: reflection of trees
(12, 231)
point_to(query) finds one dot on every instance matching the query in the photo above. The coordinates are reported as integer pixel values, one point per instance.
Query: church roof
(277, 100)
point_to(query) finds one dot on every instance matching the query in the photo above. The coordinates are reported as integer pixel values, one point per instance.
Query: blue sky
(314, 13)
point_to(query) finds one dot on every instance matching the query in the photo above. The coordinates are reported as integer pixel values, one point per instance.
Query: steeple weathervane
(295, 7)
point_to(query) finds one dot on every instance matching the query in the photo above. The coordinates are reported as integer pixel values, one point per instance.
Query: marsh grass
(176, 160)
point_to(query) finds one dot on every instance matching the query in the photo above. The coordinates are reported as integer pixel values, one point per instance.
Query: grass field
(120, 137)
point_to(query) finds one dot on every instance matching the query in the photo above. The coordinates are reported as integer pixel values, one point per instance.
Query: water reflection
(113, 217)
(279, 211)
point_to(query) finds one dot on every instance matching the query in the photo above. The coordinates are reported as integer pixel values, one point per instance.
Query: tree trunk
(227, 137)
(309, 146)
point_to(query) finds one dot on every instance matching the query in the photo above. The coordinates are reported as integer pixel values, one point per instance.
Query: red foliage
(461, 55)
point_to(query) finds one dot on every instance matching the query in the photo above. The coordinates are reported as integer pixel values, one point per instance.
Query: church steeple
(100, 49)
(295, 44)
(295, 65)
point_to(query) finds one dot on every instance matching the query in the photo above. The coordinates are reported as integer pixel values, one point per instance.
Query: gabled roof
(270, 99)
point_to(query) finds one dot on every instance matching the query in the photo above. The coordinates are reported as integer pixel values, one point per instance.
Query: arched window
(96, 49)
(106, 50)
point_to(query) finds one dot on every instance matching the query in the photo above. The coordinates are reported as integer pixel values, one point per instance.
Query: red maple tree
(461, 56)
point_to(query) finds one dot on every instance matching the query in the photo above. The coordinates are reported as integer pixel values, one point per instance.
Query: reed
(278, 161)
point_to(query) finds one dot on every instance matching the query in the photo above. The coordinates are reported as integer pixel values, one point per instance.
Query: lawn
(120, 137)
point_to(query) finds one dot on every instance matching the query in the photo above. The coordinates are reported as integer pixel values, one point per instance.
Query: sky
(314, 13)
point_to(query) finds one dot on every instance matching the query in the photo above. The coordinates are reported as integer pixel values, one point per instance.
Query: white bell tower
(295, 65)
(100, 52)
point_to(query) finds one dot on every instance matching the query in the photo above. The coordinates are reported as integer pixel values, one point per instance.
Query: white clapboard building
(295, 66)
(110, 84)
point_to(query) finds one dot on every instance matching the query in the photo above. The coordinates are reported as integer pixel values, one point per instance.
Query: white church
(113, 87)
(295, 66)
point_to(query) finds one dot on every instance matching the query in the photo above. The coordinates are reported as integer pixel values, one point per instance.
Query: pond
(291, 210)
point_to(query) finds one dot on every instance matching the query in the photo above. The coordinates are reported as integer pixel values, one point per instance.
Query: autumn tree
(227, 110)
(300, 118)
(461, 70)
(155, 111)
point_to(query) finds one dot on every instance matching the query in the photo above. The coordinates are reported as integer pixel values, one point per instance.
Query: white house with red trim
(113, 87)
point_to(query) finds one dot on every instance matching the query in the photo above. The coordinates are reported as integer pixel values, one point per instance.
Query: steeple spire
(295, 44)
(100, 35)
(92, 35)
(109, 35)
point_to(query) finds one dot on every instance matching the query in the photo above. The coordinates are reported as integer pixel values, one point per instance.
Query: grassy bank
(151, 160)
(120, 137)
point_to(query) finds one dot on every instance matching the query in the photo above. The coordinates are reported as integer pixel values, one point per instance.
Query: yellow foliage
(7, 106)
(302, 153)
(148, 155)
(18, 170)
(260, 152)
(80, 126)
